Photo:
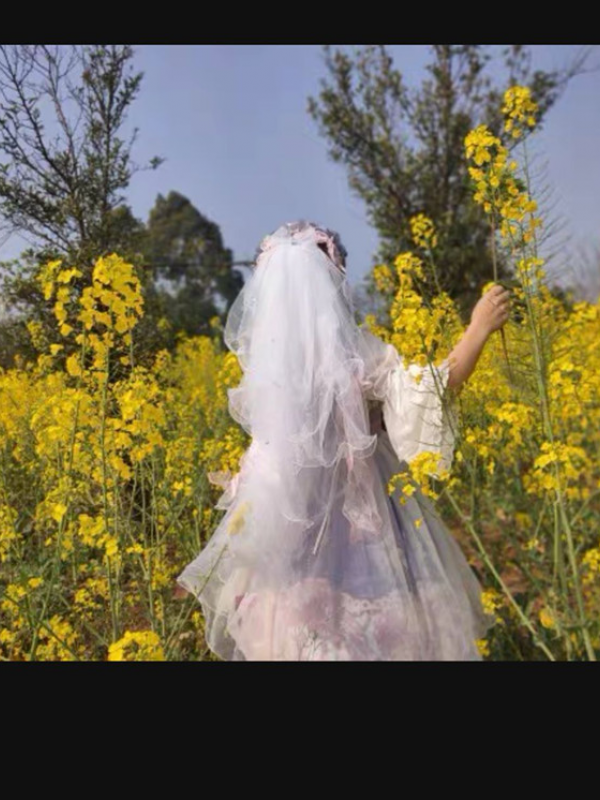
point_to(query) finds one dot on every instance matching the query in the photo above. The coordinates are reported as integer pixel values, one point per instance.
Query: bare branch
(63, 163)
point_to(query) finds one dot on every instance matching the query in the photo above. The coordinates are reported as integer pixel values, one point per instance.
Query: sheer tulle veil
(294, 331)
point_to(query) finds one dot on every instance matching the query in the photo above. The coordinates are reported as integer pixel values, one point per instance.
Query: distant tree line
(66, 164)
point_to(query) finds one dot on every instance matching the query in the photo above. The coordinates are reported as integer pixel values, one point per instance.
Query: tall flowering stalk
(498, 190)
(506, 198)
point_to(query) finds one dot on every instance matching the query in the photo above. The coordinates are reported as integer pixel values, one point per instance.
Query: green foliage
(403, 147)
(65, 163)
(64, 168)
(190, 265)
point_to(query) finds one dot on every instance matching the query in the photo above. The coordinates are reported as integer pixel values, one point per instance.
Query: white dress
(405, 592)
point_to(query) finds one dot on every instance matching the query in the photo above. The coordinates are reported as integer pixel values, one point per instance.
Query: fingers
(504, 301)
(498, 292)
(500, 298)
(498, 295)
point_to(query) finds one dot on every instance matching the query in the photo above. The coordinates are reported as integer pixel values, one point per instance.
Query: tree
(403, 148)
(66, 165)
(191, 267)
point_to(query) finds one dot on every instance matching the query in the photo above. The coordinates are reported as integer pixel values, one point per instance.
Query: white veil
(294, 331)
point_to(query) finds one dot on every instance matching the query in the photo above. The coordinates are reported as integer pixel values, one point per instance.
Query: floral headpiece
(303, 231)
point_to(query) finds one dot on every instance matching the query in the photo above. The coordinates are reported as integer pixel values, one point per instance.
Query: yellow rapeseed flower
(519, 110)
(137, 646)
(547, 618)
(483, 646)
(423, 232)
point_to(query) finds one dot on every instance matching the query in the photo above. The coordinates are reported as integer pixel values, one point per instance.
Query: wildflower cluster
(519, 110)
(423, 232)
(498, 189)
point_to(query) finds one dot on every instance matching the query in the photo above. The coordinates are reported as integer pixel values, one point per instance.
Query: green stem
(111, 588)
(495, 268)
(524, 619)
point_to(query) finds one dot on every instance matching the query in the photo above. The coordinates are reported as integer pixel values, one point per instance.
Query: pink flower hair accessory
(302, 231)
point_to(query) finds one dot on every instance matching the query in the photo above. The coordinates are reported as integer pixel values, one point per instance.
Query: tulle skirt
(404, 594)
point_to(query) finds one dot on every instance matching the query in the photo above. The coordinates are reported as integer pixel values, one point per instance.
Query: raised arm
(415, 417)
(489, 314)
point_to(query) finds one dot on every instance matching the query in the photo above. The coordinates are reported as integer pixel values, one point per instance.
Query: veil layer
(294, 331)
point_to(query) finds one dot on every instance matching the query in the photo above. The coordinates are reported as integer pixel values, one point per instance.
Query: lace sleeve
(419, 412)
(379, 358)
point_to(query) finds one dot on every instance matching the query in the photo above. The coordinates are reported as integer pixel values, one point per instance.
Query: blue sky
(232, 124)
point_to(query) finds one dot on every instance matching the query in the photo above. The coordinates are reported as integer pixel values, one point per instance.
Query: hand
(492, 310)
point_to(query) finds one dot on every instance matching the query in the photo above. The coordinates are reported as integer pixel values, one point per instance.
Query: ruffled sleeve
(419, 413)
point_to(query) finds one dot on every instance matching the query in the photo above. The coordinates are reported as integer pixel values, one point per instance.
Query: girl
(313, 559)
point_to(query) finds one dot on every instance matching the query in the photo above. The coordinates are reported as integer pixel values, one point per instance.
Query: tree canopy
(403, 147)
